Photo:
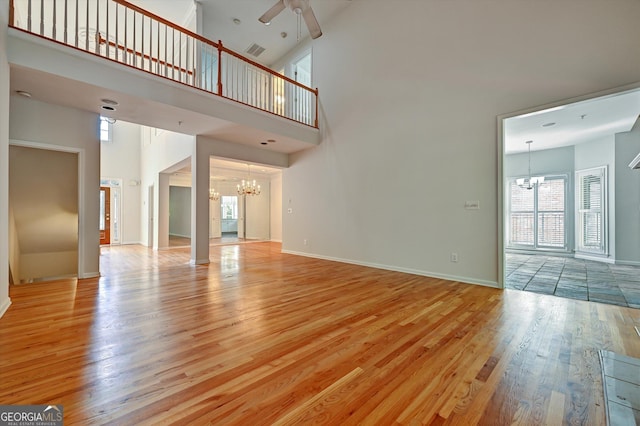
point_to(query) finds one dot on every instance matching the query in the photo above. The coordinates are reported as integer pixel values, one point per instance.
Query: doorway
(229, 217)
(105, 215)
(565, 197)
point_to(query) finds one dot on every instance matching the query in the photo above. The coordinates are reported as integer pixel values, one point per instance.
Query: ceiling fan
(299, 7)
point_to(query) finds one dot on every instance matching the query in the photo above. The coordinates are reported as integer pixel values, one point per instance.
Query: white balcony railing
(125, 33)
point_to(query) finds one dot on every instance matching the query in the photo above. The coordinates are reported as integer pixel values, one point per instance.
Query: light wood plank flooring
(260, 337)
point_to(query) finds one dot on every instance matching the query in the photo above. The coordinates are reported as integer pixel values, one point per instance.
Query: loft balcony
(78, 52)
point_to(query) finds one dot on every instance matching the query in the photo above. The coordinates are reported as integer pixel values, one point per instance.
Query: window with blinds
(591, 195)
(537, 216)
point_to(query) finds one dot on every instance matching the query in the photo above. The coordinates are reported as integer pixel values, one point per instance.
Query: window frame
(536, 246)
(602, 173)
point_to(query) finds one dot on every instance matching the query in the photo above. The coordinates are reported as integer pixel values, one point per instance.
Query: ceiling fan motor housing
(297, 6)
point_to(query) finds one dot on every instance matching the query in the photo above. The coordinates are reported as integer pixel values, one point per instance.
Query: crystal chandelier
(529, 182)
(213, 195)
(248, 186)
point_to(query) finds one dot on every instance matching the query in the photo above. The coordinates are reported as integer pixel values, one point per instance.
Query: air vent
(254, 50)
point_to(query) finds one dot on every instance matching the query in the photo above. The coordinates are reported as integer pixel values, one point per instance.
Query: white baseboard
(627, 263)
(4, 306)
(430, 274)
(88, 275)
(584, 256)
(276, 241)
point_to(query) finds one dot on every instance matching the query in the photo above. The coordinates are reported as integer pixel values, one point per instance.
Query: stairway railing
(125, 33)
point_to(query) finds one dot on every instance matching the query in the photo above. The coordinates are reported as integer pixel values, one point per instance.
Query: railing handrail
(218, 45)
(165, 22)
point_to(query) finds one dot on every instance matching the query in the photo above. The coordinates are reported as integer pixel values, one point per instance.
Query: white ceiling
(575, 123)
(219, 15)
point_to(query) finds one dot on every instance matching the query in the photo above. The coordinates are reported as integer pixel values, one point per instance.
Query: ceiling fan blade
(273, 12)
(312, 23)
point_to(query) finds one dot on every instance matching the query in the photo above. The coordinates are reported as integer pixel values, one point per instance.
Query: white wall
(120, 159)
(180, 211)
(597, 154)
(627, 209)
(14, 248)
(75, 131)
(5, 301)
(409, 95)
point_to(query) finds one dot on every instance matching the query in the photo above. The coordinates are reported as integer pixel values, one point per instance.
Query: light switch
(472, 205)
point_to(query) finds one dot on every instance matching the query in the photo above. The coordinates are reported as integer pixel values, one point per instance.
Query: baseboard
(465, 280)
(88, 275)
(276, 241)
(180, 235)
(4, 306)
(627, 263)
(595, 258)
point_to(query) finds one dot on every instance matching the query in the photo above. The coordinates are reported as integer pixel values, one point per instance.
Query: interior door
(105, 215)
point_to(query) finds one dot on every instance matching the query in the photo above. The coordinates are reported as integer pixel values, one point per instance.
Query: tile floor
(621, 380)
(574, 278)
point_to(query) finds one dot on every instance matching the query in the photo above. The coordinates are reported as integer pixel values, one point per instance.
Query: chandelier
(213, 195)
(529, 182)
(248, 186)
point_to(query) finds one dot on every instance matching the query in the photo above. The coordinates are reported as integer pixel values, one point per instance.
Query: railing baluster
(29, 16)
(166, 59)
(133, 55)
(158, 49)
(41, 17)
(53, 30)
(86, 29)
(97, 36)
(117, 40)
(65, 21)
(142, 42)
(150, 45)
(107, 46)
(76, 29)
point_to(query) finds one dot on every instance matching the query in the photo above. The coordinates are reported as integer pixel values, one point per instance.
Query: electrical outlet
(454, 257)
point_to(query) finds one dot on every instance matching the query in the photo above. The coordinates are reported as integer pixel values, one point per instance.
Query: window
(106, 129)
(591, 194)
(537, 216)
(229, 207)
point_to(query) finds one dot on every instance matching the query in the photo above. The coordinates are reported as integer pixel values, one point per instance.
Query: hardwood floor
(261, 337)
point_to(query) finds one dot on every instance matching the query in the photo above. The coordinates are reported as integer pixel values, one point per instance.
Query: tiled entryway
(574, 278)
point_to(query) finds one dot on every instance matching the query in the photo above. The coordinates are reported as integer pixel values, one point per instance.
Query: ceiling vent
(254, 50)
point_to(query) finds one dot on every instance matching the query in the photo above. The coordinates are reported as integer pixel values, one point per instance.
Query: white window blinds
(591, 195)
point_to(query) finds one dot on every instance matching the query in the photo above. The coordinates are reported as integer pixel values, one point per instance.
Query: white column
(200, 204)
(161, 220)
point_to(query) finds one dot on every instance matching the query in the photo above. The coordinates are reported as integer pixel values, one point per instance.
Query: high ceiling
(219, 15)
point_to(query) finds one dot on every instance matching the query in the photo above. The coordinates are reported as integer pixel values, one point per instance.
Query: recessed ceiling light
(108, 101)
(271, 140)
(263, 143)
(108, 108)
(283, 34)
(549, 124)
(23, 93)
(237, 21)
